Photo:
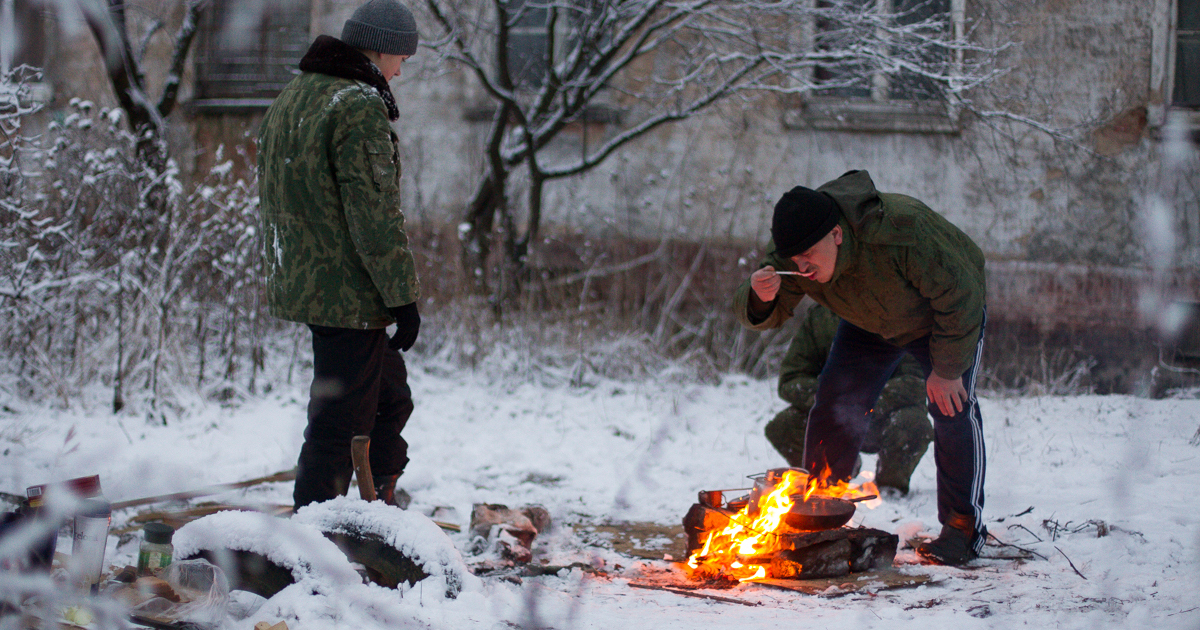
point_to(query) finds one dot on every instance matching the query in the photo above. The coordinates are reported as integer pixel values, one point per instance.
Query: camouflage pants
(900, 436)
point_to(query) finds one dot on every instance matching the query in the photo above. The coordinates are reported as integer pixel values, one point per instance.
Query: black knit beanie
(802, 217)
(384, 26)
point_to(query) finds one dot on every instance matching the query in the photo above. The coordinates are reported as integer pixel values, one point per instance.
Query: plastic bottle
(156, 550)
(91, 537)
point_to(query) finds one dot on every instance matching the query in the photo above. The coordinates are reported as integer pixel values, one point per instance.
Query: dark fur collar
(329, 55)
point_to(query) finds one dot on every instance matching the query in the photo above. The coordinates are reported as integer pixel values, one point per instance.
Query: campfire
(789, 526)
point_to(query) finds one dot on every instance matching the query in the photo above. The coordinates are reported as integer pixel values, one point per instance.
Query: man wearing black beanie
(336, 255)
(904, 280)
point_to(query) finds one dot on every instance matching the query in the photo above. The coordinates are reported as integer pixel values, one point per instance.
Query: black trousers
(360, 387)
(853, 377)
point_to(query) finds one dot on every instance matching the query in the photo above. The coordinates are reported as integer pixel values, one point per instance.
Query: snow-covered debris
(414, 535)
(299, 547)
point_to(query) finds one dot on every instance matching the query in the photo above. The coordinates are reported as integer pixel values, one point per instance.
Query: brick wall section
(1052, 296)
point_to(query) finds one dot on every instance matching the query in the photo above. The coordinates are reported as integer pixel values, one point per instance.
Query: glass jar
(156, 550)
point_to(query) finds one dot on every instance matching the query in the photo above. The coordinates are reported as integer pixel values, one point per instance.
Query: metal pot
(765, 482)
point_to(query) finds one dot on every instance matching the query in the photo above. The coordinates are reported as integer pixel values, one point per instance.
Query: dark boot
(386, 491)
(953, 547)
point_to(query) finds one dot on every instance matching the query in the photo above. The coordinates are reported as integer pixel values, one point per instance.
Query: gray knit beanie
(384, 26)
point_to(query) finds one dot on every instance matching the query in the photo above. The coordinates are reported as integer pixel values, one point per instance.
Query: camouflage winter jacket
(335, 249)
(806, 357)
(902, 272)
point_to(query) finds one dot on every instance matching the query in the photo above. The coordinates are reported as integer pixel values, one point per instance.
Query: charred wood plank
(821, 554)
(824, 559)
(679, 591)
(871, 581)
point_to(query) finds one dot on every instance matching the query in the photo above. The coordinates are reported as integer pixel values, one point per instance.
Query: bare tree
(664, 61)
(123, 63)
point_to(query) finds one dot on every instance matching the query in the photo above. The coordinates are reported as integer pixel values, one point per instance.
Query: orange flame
(742, 550)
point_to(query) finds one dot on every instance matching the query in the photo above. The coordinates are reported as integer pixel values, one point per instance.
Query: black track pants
(854, 375)
(360, 387)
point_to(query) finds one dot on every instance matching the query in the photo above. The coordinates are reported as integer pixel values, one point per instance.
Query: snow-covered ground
(639, 451)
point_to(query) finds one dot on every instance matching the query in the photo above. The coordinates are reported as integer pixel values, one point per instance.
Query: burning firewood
(789, 526)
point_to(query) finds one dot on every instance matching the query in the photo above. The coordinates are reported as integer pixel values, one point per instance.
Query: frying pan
(817, 513)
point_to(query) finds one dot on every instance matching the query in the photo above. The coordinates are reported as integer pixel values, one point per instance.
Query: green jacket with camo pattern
(335, 249)
(902, 272)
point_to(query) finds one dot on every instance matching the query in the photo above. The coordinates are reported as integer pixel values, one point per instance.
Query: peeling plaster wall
(1082, 66)
(1079, 201)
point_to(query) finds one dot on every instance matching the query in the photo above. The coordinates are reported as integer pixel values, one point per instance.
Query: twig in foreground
(1071, 563)
(1026, 529)
(1021, 549)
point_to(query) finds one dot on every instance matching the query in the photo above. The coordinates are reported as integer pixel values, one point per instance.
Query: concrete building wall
(1091, 70)
(1082, 67)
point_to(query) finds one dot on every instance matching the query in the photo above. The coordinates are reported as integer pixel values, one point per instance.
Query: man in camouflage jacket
(899, 428)
(336, 254)
(903, 280)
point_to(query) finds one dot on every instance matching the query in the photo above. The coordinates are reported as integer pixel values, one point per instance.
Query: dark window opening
(249, 50)
(848, 80)
(854, 80)
(528, 56)
(27, 46)
(1187, 55)
(912, 86)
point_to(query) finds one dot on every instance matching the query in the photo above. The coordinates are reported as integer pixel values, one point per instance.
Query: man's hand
(765, 284)
(408, 324)
(948, 394)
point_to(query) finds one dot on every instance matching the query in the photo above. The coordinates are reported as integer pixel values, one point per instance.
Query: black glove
(408, 324)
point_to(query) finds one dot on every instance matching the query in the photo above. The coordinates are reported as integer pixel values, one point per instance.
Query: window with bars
(248, 51)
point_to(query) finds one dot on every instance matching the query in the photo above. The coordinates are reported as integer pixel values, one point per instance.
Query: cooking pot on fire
(811, 514)
(815, 513)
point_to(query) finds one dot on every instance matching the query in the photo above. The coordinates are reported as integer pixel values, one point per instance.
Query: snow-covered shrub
(114, 273)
